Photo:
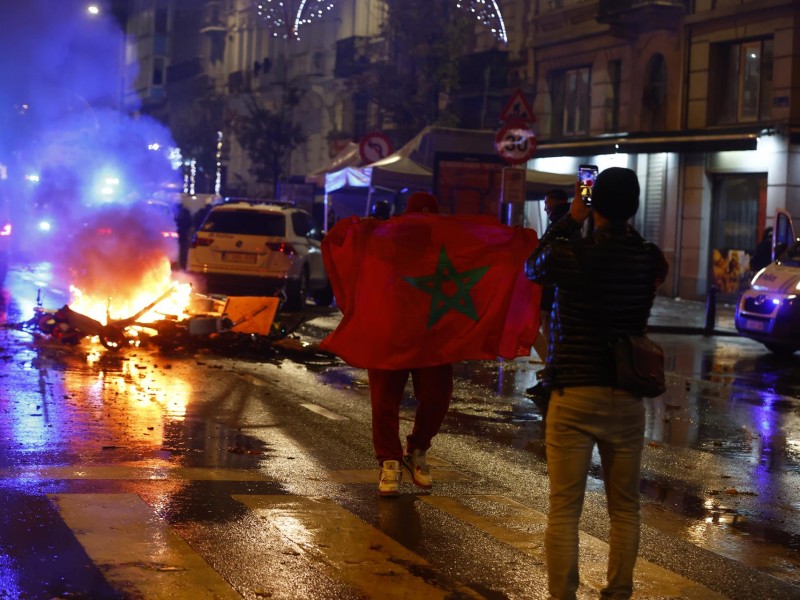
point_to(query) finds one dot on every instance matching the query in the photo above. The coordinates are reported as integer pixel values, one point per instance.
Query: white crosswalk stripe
(523, 528)
(140, 553)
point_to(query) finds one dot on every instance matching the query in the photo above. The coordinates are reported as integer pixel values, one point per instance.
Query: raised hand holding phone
(587, 174)
(582, 202)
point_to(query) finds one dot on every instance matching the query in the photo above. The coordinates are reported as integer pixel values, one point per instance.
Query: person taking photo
(604, 285)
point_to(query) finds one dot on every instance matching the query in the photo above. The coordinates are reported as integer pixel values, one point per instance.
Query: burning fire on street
(121, 281)
(125, 292)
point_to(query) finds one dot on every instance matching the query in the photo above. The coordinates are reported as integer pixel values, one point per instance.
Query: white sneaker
(390, 478)
(417, 465)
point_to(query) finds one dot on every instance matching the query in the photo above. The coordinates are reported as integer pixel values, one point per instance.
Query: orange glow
(140, 294)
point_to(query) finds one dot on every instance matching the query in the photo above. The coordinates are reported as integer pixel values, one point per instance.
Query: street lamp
(93, 9)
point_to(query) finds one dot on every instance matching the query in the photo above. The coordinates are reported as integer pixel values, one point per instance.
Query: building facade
(700, 97)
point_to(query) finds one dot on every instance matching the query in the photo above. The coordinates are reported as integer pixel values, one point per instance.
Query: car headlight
(754, 280)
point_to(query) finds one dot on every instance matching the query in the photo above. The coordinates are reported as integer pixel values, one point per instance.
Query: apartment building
(695, 95)
(700, 97)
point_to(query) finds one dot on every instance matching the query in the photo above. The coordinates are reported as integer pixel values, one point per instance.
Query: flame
(128, 302)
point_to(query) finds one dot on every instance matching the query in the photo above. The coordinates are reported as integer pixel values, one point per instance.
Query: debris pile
(207, 321)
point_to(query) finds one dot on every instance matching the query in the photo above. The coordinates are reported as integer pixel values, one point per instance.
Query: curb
(690, 331)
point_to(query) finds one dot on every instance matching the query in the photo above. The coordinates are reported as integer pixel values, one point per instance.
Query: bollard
(711, 310)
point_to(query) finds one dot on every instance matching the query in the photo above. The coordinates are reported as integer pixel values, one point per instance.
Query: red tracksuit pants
(433, 388)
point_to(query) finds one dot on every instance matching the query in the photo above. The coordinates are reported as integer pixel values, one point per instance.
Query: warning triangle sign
(517, 109)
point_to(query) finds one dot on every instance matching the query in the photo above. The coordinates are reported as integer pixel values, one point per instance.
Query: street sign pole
(515, 142)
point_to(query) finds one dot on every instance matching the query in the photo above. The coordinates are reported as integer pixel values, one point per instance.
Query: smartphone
(587, 174)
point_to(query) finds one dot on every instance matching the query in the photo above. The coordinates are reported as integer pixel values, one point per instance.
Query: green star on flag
(442, 281)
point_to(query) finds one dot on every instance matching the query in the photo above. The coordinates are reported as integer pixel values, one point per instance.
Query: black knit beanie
(615, 194)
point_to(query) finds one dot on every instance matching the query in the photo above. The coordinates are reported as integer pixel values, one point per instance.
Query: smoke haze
(75, 159)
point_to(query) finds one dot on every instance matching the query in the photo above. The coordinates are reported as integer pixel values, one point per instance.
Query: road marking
(136, 550)
(523, 528)
(352, 550)
(321, 410)
(146, 471)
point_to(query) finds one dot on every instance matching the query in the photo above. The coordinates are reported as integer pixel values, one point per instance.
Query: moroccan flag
(424, 289)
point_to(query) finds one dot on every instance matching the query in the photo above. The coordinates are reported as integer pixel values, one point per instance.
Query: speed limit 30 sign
(516, 144)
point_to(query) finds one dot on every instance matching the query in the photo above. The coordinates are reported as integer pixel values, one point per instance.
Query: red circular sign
(515, 144)
(374, 146)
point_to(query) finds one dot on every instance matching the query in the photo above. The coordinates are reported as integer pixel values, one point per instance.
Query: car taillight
(282, 247)
(104, 231)
(198, 241)
(6, 230)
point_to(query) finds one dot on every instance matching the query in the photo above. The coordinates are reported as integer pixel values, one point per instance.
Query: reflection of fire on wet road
(127, 403)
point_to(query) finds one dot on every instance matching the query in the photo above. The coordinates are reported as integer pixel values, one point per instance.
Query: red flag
(425, 289)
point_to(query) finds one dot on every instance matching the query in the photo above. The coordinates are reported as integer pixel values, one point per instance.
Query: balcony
(213, 21)
(630, 17)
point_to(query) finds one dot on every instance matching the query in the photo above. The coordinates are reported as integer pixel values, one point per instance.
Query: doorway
(737, 223)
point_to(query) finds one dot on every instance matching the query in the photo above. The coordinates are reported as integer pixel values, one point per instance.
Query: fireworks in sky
(487, 12)
(285, 17)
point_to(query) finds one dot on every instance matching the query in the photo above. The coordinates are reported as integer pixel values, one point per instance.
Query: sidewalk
(669, 315)
(675, 315)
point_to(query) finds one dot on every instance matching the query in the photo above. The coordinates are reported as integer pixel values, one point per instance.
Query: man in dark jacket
(605, 284)
(556, 205)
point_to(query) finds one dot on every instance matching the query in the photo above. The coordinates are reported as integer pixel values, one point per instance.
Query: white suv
(260, 248)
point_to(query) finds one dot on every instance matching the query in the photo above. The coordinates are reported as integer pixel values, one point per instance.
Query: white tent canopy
(412, 165)
(349, 177)
(347, 157)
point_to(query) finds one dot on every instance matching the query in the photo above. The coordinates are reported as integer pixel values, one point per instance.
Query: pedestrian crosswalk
(141, 554)
(523, 529)
(138, 552)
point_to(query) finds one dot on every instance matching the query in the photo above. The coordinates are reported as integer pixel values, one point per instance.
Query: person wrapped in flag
(418, 292)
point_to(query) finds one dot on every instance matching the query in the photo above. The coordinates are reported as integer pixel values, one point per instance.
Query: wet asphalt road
(248, 472)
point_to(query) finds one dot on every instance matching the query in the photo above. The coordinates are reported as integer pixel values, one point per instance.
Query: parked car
(261, 248)
(769, 311)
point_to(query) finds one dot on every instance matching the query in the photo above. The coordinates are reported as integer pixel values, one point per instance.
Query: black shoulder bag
(639, 365)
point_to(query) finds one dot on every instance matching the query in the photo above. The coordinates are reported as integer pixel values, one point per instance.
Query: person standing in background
(556, 205)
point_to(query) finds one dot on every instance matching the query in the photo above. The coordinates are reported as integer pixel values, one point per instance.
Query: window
(160, 21)
(654, 95)
(357, 115)
(245, 222)
(302, 224)
(159, 69)
(612, 101)
(571, 93)
(741, 82)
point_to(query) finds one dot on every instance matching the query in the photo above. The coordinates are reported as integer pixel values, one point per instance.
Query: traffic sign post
(515, 140)
(513, 190)
(516, 145)
(517, 109)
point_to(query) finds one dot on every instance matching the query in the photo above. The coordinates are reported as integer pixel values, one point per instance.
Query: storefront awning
(685, 142)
